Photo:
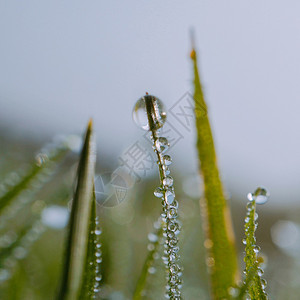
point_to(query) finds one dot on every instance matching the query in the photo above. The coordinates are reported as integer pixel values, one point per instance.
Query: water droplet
(261, 195)
(169, 196)
(41, 158)
(158, 112)
(208, 243)
(250, 197)
(158, 192)
(172, 213)
(19, 252)
(4, 274)
(55, 216)
(260, 271)
(98, 232)
(173, 226)
(249, 206)
(210, 261)
(173, 242)
(168, 181)
(167, 160)
(244, 241)
(233, 291)
(174, 268)
(98, 278)
(152, 237)
(151, 270)
(256, 248)
(263, 283)
(150, 247)
(166, 170)
(161, 144)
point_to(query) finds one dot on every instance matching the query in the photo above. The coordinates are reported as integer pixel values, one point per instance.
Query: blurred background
(64, 62)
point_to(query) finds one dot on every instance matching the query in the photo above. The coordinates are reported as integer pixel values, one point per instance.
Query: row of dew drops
(260, 196)
(171, 226)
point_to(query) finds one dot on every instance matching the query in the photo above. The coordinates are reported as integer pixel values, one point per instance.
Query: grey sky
(62, 62)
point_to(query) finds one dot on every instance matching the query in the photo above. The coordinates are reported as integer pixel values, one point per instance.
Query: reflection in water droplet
(260, 271)
(158, 113)
(169, 196)
(158, 192)
(256, 248)
(167, 160)
(97, 232)
(263, 283)
(250, 197)
(168, 181)
(161, 144)
(261, 195)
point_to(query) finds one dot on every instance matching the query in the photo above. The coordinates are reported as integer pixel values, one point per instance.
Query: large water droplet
(158, 112)
(169, 196)
(260, 271)
(167, 160)
(152, 237)
(256, 248)
(261, 195)
(158, 192)
(168, 181)
(161, 144)
(263, 283)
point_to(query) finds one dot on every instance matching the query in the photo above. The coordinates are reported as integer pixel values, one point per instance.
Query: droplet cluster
(98, 254)
(155, 117)
(252, 259)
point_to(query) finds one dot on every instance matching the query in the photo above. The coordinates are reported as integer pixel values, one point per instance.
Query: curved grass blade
(222, 259)
(138, 294)
(80, 220)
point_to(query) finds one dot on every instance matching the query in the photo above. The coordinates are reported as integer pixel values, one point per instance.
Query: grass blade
(256, 288)
(80, 220)
(222, 259)
(93, 259)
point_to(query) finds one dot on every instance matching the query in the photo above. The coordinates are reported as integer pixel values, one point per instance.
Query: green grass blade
(222, 259)
(138, 293)
(33, 173)
(256, 288)
(80, 219)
